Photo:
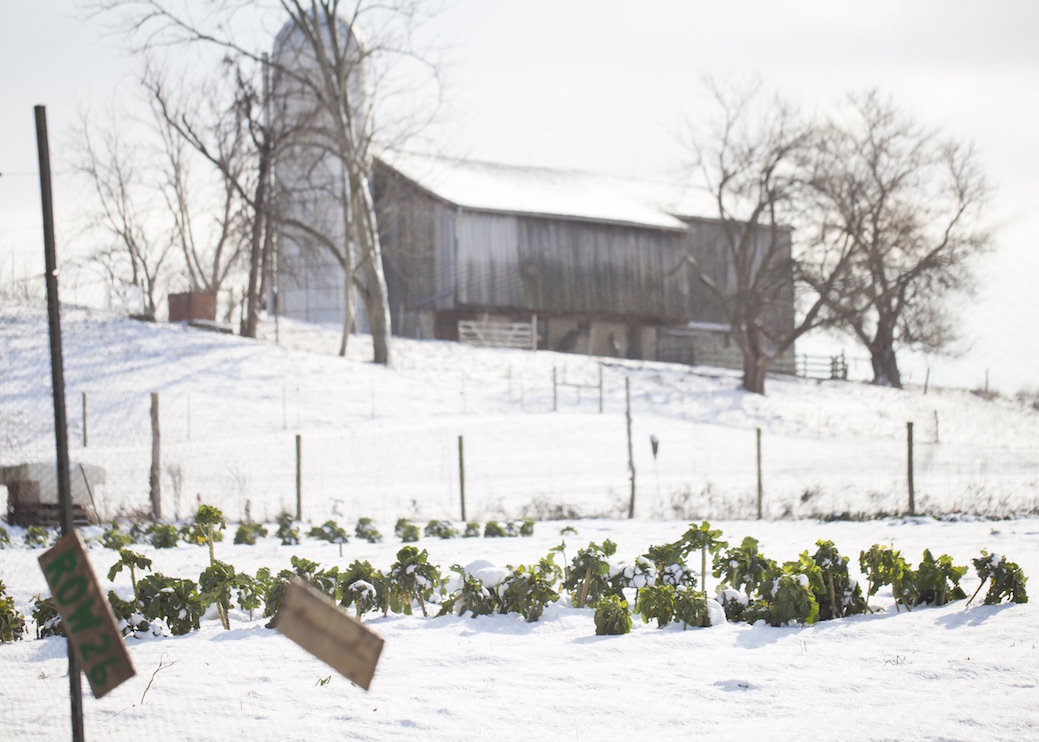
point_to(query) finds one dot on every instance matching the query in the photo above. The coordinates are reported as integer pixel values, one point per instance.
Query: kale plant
(248, 533)
(12, 622)
(1006, 580)
(612, 616)
(365, 529)
(527, 590)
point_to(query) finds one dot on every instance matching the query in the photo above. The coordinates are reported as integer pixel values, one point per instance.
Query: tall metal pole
(58, 382)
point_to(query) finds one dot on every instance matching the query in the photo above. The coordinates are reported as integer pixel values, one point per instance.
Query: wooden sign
(319, 626)
(88, 619)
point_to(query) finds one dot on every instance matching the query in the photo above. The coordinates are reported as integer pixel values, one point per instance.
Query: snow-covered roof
(532, 190)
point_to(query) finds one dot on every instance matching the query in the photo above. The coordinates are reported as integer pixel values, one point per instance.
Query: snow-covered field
(383, 443)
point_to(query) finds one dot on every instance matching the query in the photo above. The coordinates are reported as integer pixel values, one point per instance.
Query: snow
(531, 190)
(951, 672)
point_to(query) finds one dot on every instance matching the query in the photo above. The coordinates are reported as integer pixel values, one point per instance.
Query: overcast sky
(605, 86)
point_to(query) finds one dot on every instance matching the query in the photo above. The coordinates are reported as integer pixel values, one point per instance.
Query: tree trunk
(377, 299)
(882, 357)
(755, 367)
(248, 328)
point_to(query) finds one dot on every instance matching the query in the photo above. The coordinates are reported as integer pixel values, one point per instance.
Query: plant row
(660, 585)
(167, 536)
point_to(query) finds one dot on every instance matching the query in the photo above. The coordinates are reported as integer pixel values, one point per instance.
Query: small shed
(32, 492)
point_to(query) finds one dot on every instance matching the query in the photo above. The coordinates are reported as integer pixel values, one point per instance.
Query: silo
(311, 184)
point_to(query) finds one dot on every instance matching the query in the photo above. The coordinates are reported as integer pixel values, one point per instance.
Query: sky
(607, 87)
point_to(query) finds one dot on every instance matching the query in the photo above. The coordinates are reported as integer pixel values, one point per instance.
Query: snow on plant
(669, 562)
(588, 578)
(248, 533)
(175, 601)
(12, 622)
(612, 616)
(472, 529)
(412, 578)
(472, 595)
(742, 567)
(1005, 579)
(331, 532)
(249, 591)
(938, 580)
(787, 599)
(528, 589)
(36, 537)
(691, 608)
(5, 540)
(45, 615)
(130, 618)
(440, 529)
(366, 529)
(364, 587)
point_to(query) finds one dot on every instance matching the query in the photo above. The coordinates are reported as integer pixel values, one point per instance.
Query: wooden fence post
(761, 489)
(461, 472)
(299, 477)
(909, 445)
(600, 388)
(84, 395)
(555, 391)
(631, 450)
(154, 477)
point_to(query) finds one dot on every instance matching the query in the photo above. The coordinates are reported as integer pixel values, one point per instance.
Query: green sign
(88, 619)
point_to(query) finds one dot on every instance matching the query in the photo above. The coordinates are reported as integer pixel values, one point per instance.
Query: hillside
(384, 441)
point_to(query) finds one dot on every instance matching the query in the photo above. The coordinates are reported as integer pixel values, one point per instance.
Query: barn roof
(494, 187)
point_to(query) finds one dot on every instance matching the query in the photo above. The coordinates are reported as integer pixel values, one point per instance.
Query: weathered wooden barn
(598, 263)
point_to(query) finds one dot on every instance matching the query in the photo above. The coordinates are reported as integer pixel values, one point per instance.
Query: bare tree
(910, 204)
(754, 160)
(327, 34)
(128, 210)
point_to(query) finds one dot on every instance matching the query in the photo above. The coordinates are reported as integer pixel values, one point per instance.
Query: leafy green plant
(132, 561)
(704, 538)
(405, 531)
(130, 618)
(787, 600)
(248, 533)
(472, 529)
(669, 564)
(691, 608)
(440, 529)
(588, 579)
(612, 616)
(838, 595)
(116, 538)
(528, 590)
(36, 537)
(209, 522)
(163, 535)
(175, 601)
(1005, 579)
(365, 529)
(249, 591)
(527, 527)
(885, 566)
(742, 567)
(324, 580)
(938, 580)
(472, 595)
(5, 540)
(45, 615)
(12, 622)
(412, 578)
(656, 603)
(364, 587)
(288, 532)
(331, 532)
(215, 585)
(493, 529)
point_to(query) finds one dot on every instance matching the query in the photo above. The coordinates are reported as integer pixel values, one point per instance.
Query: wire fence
(261, 453)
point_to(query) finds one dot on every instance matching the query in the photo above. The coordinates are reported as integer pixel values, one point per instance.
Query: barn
(594, 264)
